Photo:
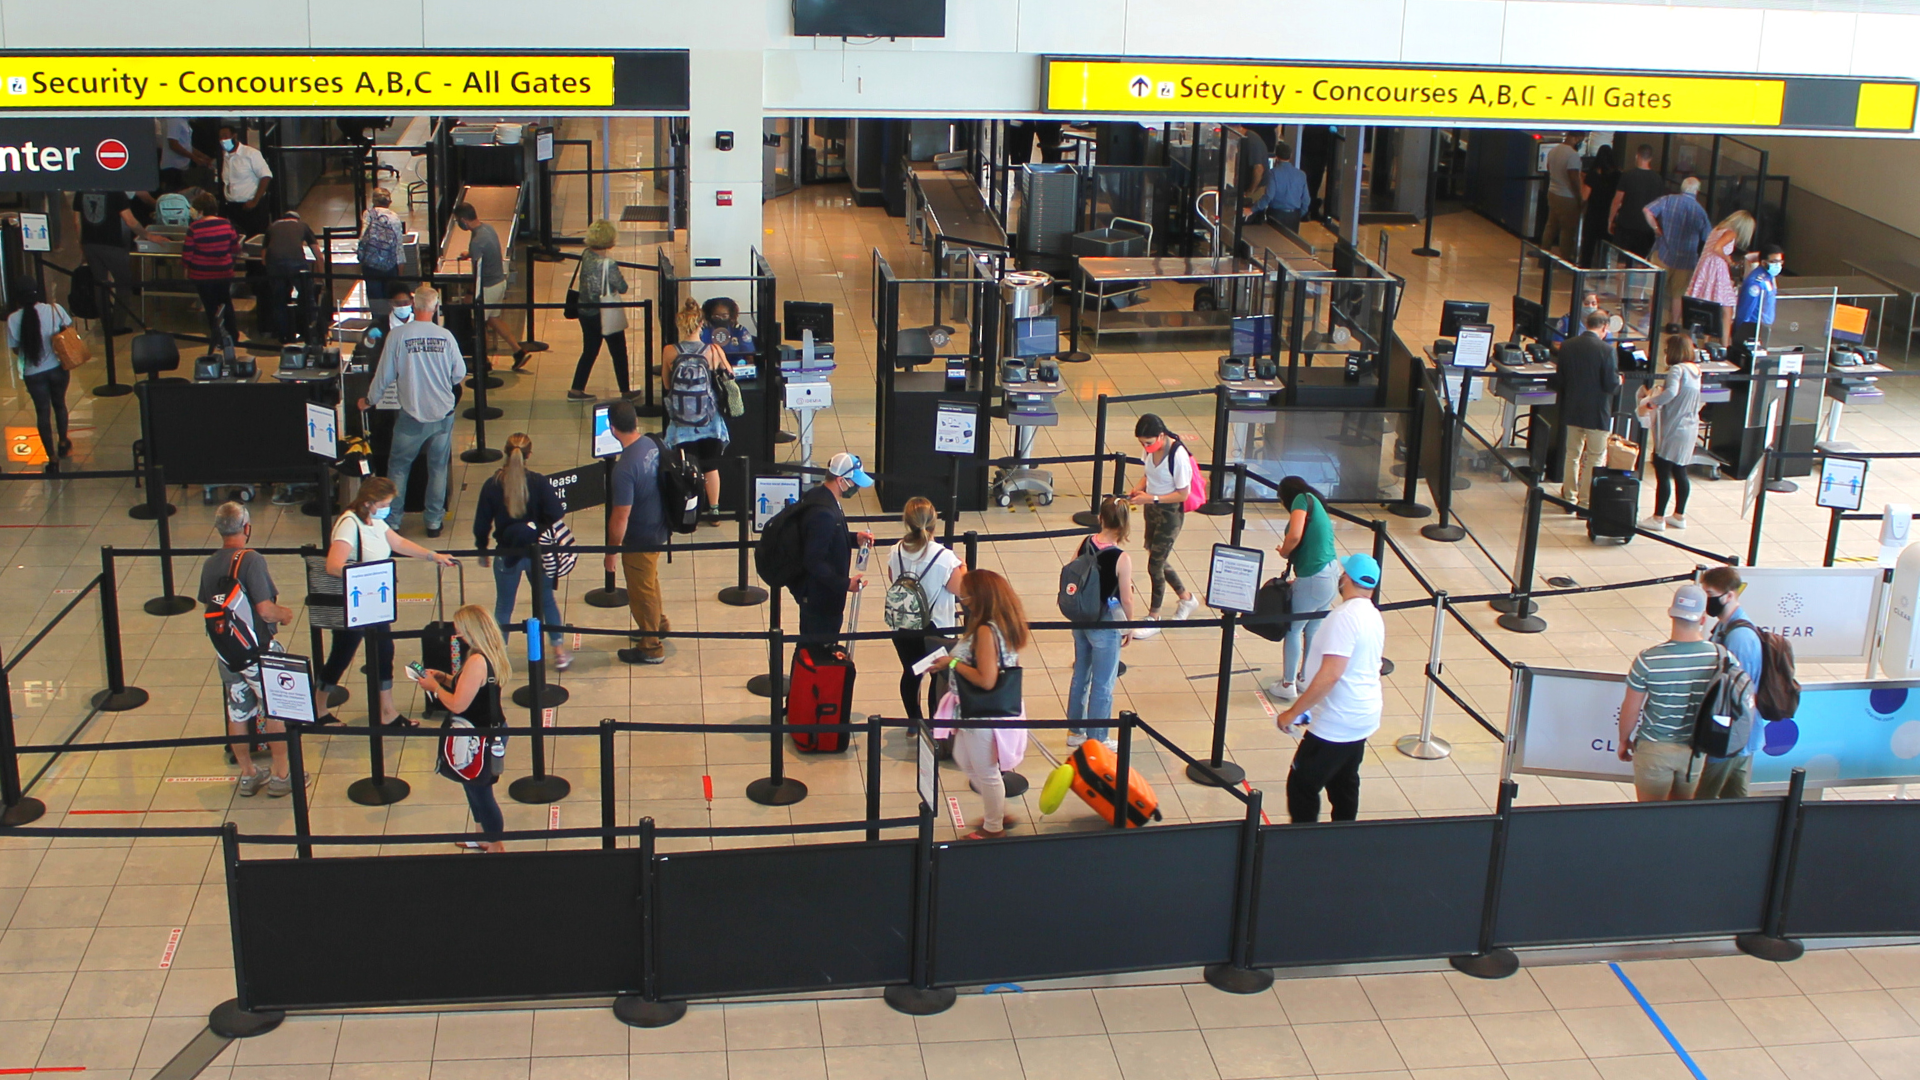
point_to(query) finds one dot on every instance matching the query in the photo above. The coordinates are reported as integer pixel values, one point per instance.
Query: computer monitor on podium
(1455, 312)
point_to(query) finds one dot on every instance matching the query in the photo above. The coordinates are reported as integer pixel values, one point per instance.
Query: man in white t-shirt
(1341, 703)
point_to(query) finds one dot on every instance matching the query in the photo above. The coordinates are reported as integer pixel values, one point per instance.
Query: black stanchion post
(1491, 962)
(1409, 505)
(232, 1018)
(377, 789)
(538, 693)
(297, 772)
(1122, 768)
(1090, 517)
(953, 498)
(539, 788)
(166, 603)
(920, 997)
(531, 343)
(113, 387)
(1778, 482)
(1426, 250)
(1451, 423)
(873, 776)
(1759, 513)
(776, 788)
(1379, 591)
(610, 595)
(1238, 975)
(1219, 770)
(645, 1009)
(740, 593)
(480, 412)
(156, 504)
(609, 790)
(1520, 614)
(118, 696)
(647, 406)
(16, 808)
(1217, 502)
(773, 681)
(1833, 537)
(1119, 473)
(1770, 944)
(971, 544)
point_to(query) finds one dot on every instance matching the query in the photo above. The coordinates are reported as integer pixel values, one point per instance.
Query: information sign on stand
(771, 494)
(34, 233)
(955, 427)
(1233, 580)
(1843, 483)
(370, 594)
(580, 488)
(929, 761)
(543, 144)
(323, 427)
(286, 688)
(604, 444)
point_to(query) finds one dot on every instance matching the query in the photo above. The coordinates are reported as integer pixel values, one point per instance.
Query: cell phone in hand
(415, 668)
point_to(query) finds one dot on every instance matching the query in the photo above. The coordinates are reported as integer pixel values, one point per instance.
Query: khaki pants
(1672, 290)
(1661, 770)
(1562, 231)
(642, 569)
(1586, 449)
(1725, 778)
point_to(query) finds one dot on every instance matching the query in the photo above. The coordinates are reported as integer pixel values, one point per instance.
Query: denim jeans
(506, 588)
(1314, 593)
(410, 436)
(1096, 665)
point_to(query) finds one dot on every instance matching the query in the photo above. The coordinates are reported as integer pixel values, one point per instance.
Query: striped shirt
(210, 248)
(1674, 676)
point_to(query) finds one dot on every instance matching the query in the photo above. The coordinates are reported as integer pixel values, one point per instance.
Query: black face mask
(1716, 605)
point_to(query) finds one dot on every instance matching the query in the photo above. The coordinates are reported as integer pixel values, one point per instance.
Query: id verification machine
(807, 368)
(1030, 378)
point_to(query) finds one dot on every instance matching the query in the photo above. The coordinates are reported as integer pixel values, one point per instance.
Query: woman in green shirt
(1308, 546)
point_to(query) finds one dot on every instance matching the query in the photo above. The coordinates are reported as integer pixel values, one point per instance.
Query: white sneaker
(1675, 521)
(1112, 744)
(1074, 740)
(1654, 524)
(1186, 609)
(1282, 690)
(1141, 633)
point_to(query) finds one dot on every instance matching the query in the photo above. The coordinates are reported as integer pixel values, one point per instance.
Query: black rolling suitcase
(1615, 506)
(436, 638)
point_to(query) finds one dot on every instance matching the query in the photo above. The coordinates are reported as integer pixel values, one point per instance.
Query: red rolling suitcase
(820, 691)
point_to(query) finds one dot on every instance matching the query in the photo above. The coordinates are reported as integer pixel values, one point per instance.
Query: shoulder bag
(570, 308)
(613, 320)
(327, 593)
(69, 347)
(1005, 699)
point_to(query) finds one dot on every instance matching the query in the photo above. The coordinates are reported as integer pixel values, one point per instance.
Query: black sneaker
(434, 531)
(642, 656)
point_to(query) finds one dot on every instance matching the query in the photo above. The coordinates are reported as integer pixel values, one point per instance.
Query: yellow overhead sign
(1467, 95)
(362, 82)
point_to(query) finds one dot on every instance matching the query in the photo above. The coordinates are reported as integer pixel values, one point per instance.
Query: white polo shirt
(241, 172)
(1351, 710)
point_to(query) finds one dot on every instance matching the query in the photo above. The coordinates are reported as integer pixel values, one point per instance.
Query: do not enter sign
(112, 155)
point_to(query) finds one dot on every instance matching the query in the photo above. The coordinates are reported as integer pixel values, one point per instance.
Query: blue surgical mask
(1773, 269)
(403, 312)
(227, 145)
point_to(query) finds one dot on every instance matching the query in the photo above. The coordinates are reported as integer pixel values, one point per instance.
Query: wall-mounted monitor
(870, 18)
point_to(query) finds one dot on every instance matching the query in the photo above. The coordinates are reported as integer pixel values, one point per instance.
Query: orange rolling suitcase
(1095, 779)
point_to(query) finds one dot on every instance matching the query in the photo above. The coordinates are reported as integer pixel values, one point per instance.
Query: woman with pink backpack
(1168, 487)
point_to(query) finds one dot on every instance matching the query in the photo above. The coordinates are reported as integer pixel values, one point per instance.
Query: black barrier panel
(788, 919)
(316, 933)
(1083, 903)
(1376, 890)
(1853, 875)
(1637, 871)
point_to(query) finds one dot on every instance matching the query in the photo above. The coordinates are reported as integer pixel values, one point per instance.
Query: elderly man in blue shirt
(1680, 226)
(1285, 200)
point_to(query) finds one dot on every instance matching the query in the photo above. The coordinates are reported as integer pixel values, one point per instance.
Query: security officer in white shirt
(244, 178)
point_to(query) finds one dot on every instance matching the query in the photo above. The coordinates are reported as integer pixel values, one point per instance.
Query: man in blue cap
(826, 544)
(1340, 706)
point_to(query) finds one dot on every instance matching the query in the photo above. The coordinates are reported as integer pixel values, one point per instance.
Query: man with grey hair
(1680, 228)
(235, 567)
(421, 362)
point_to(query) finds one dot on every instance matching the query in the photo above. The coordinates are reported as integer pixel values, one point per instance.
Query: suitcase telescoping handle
(440, 588)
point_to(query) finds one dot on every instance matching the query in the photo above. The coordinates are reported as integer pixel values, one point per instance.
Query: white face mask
(403, 312)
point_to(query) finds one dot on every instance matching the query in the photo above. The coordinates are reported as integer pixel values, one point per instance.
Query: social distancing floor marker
(43, 1068)
(706, 785)
(173, 945)
(1267, 704)
(553, 818)
(546, 717)
(201, 779)
(195, 810)
(953, 808)
(1661, 1025)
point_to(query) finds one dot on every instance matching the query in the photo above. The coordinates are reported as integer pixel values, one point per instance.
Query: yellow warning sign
(1547, 98)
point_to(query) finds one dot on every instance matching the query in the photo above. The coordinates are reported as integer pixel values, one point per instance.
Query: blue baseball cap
(847, 467)
(1362, 568)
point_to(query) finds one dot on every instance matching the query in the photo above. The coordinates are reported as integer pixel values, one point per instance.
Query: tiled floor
(84, 923)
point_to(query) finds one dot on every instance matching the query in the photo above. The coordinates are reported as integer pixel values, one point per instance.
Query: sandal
(519, 359)
(327, 719)
(400, 721)
(982, 834)
(468, 845)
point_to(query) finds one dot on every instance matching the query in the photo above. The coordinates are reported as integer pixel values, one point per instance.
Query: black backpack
(780, 558)
(1776, 693)
(1080, 598)
(230, 620)
(682, 489)
(1724, 721)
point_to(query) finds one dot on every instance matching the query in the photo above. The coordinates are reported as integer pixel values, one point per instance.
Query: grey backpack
(1079, 598)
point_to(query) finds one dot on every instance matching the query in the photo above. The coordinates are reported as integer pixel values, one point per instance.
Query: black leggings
(1668, 475)
(912, 650)
(590, 339)
(345, 644)
(48, 389)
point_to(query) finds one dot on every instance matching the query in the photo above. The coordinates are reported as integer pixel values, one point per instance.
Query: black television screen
(804, 315)
(1703, 316)
(870, 18)
(193, 430)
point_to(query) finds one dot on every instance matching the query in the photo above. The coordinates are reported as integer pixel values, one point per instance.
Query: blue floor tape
(1685, 1058)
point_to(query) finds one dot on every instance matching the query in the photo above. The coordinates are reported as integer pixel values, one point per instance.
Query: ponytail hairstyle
(475, 624)
(990, 600)
(918, 517)
(372, 490)
(1113, 516)
(689, 320)
(33, 338)
(513, 474)
(1292, 487)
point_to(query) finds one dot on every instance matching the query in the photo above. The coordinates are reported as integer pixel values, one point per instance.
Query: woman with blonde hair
(1714, 276)
(361, 535)
(987, 681)
(516, 506)
(599, 279)
(923, 580)
(474, 696)
(696, 417)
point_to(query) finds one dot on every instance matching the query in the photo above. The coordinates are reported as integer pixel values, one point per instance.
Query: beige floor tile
(1172, 1055)
(773, 1025)
(1749, 1064)
(973, 1018)
(467, 1036)
(1661, 981)
(702, 1030)
(687, 1065)
(1462, 1072)
(1242, 1053)
(480, 1069)
(1829, 971)
(1891, 1059)
(1615, 1031)
(1706, 1025)
(1784, 1021)
(578, 1033)
(20, 1042)
(1821, 1061)
(1397, 997)
(1892, 967)
(101, 994)
(380, 1070)
(281, 1072)
(1145, 1008)
(894, 1062)
(397, 1037)
(1070, 1057)
(1323, 1001)
(1215, 1009)
(1745, 977)
(1667, 1066)
(866, 1022)
(986, 1059)
(1576, 1069)
(33, 996)
(300, 1040)
(1581, 986)
(1866, 1014)
(1439, 1042)
(1520, 1037)
(1054, 1013)
(1356, 1046)
(96, 1044)
(601, 1067)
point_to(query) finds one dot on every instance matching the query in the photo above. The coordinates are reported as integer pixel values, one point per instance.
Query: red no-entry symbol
(112, 155)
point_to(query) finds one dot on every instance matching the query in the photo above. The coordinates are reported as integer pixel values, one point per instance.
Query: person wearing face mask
(1757, 296)
(1586, 377)
(1727, 777)
(244, 179)
(361, 535)
(422, 363)
(474, 695)
(1162, 489)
